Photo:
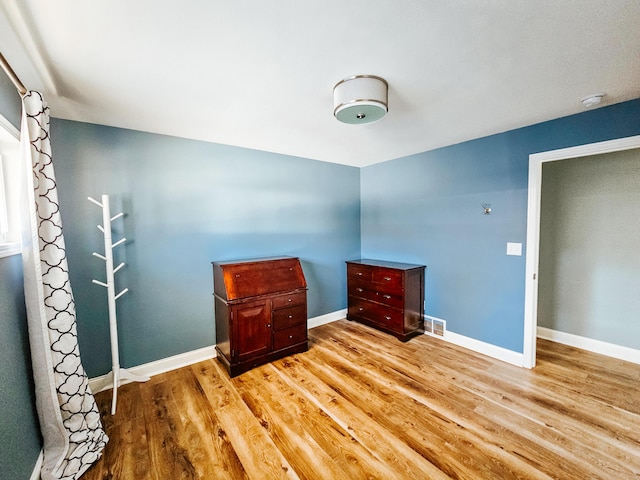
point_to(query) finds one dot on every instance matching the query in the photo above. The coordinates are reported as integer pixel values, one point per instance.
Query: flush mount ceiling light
(592, 100)
(360, 99)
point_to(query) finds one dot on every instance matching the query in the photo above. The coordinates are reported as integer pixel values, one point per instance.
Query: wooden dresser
(260, 311)
(386, 295)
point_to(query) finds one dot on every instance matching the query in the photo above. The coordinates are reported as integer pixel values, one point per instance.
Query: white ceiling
(260, 74)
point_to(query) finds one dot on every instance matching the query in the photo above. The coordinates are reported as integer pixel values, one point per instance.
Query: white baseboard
(595, 346)
(327, 318)
(163, 365)
(188, 358)
(35, 475)
(484, 348)
(493, 351)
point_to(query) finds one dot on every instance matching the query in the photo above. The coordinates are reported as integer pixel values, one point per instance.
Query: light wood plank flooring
(361, 404)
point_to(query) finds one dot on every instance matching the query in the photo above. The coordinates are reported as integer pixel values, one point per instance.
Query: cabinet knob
(290, 316)
(387, 317)
(268, 325)
(388, 279)
(386, 296)
(237, 275)
(359, 289)
(359, 274)
(360, 309)
(290, 299)
(290, 337)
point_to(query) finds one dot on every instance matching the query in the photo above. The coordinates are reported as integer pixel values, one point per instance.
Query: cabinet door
(251, 330)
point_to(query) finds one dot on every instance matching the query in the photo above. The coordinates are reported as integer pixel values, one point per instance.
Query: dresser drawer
(380, 314)
(362, 291)
(393, 300)
(358, 274)
(357, 307)
(388, 281)
(284, 301)
(289, 336)
(287, 317)
(396, 301)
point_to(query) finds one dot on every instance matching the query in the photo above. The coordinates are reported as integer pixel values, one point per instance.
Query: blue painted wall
(426, 208)
(19, 428)
(188, 203)
(19, 425)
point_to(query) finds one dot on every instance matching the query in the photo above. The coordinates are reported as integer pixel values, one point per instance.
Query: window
(9, 191)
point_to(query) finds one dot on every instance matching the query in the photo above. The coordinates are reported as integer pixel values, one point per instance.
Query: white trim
(35, 474)
(617, 145)
(596, 346)
(163, 365)
(9, 127)
(8, 249)
(484, 348)
(533, 227)
(327, 318)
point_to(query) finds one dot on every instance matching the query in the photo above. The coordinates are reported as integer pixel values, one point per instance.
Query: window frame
(12, 246)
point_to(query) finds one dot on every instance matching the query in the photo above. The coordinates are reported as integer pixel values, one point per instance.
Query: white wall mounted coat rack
(117, 374)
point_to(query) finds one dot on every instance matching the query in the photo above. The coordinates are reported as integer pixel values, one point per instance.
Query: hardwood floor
(361, 404)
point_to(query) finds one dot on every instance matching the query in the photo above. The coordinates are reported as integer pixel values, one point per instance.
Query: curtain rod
(12, 76)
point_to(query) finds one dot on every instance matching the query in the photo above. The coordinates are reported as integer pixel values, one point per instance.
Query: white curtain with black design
(69, 418)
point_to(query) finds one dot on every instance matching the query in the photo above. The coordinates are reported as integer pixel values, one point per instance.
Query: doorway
(533, 227)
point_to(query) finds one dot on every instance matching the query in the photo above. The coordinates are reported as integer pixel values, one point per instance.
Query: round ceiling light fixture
(360, 99)
(592, 100)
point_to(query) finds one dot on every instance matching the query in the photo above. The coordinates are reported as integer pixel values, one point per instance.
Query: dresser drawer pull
(360, 309)
(388, 279)
(290, 299)
(359, 290)
(290, 337)
(386, 296)
(359, 274)
(290, 316)
(387, 317)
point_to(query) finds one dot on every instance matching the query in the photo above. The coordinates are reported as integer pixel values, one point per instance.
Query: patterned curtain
(69, 418)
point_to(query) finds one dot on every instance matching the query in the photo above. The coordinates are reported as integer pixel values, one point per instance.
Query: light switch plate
(514, 249)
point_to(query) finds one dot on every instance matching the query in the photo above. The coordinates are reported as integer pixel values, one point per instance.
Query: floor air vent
(434, 326)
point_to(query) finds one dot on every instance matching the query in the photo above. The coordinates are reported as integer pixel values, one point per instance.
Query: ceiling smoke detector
(593, 100)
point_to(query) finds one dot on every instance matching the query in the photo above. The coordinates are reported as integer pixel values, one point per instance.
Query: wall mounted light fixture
(360, 99)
